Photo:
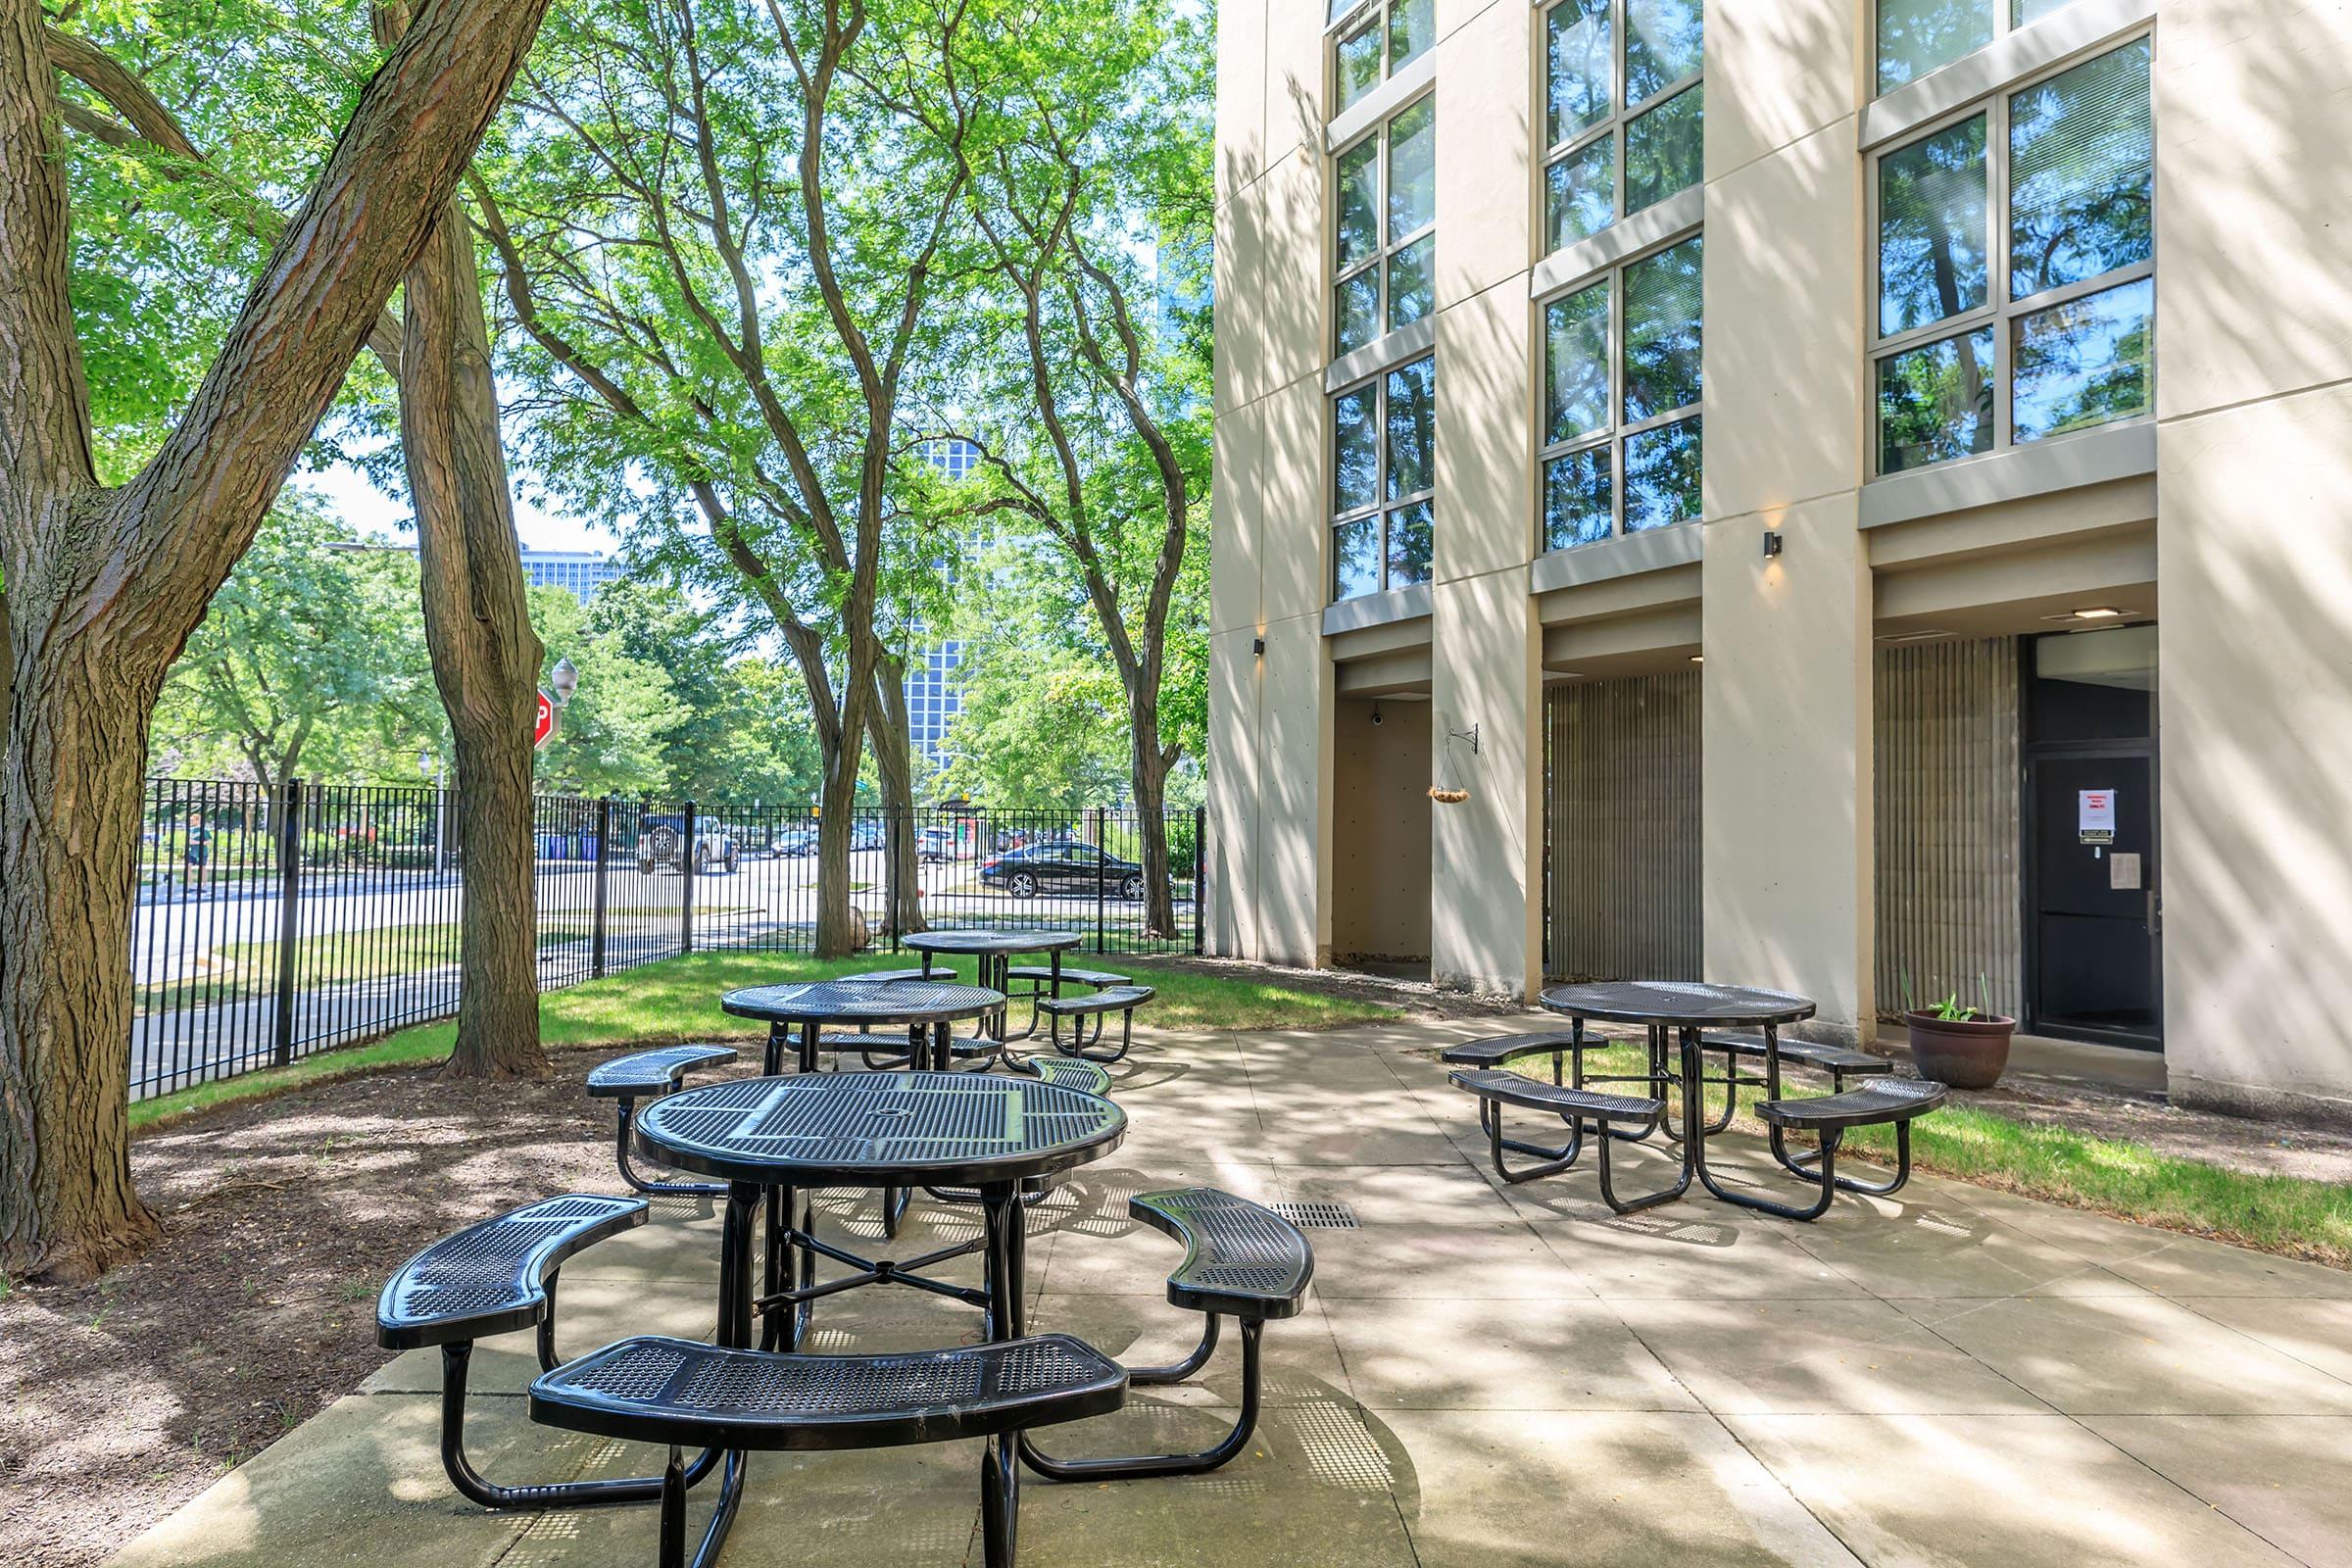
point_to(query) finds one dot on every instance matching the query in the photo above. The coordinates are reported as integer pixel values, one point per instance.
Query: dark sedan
(1061, 868)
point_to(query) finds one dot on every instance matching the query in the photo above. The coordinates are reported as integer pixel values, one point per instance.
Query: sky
(369, 511)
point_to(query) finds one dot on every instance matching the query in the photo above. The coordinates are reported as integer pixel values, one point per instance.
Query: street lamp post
(429, 763)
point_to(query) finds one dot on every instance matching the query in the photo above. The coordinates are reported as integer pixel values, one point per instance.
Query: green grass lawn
(2284, 1214)
(678, 999)
(247, 969)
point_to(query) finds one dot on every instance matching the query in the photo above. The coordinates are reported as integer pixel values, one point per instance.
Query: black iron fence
(274, 923)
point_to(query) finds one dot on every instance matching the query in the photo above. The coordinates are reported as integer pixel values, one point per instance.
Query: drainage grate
(1318, 1216)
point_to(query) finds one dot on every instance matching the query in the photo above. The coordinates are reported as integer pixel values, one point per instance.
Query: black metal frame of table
(993, 953)
(1682, 1008)
(928, 1012)
(827, 1148)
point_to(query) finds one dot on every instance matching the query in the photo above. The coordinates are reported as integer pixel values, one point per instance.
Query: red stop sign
(543, 727)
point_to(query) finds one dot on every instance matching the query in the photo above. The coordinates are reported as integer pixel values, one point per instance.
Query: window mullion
(1996, 254)
(1616, 378)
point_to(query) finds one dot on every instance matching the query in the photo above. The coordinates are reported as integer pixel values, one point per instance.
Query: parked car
(1061, 867)
(936, 844)
(868, 834)
(659, 841)
(795, 841)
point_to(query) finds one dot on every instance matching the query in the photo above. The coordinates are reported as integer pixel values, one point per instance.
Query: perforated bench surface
(647, 1073)
(490, 1278)
(1111, 999)
(1887, 1099)
(1072, 1072)
(1840, 1060)
(1505, 1048)
(892, 977)
(658, 1389)
(1513, 1089)
(1079, 977)
(1241, 1258)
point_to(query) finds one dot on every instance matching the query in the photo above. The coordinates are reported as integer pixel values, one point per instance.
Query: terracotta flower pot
(1966, 1053)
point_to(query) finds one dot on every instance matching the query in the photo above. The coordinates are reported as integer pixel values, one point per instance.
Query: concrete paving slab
(2023, 1492)
(1951, 1254)
(1839, 1355)
(2314, 1330)
(1497, 1261)
(1467, 1354)
(1676, 1254)
(2189, 1266)
(2281, 1478)
(1302, 1359)
(1634, 1489)
(2131, 1355)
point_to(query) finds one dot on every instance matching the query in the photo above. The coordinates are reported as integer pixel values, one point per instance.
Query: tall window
(1622, 113)
(1373, 42)
(1385, 247)
(1916, 37)
(1383, 480)
(2016, 289)
(1620, 385)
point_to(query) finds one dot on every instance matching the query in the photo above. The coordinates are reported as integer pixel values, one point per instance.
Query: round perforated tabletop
(991, 940)
(876, 1129)
(1677, 1003)
(861, 1001)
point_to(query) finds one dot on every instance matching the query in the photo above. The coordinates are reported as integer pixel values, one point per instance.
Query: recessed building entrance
(2093, 909)
(1381, 835)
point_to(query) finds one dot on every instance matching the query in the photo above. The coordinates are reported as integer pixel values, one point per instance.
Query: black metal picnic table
(776, 1139)
(926, 1010)
(1682, 1008)
(993, 953)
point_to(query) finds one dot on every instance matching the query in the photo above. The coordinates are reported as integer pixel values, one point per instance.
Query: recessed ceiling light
(2097, 613)
(1699, 658)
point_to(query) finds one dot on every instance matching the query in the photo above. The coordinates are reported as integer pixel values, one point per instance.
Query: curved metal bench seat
(650, 1074)
(1576, 1106)
(1900, 1100)
(1503, 1050)
(1044, 974)
(1241, 1260)
(1072, 1072)
(494, 1278)
(678, 1392)
(1841, 1062)
(1122, 1000)
(890, 977)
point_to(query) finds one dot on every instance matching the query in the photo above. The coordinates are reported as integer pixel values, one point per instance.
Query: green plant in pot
(1955, 1043)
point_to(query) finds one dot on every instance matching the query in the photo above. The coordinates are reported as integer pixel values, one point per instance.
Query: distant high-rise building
(581, 571)
(933, 693)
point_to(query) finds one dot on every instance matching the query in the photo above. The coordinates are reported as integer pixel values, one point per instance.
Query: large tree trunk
(894, 760)
(1148, 774)
(105, 585)
(477, 628)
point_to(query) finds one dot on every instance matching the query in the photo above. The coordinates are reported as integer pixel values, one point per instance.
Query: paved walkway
(1482, 1377)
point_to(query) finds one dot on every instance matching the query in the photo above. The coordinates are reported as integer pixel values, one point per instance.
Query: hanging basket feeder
(1453, 792)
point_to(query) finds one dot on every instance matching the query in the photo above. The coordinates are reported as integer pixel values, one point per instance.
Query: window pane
(1915, 36)
(1412, 291)
(1360, 202)
(1580, 192)
(1576, 351)
(1931, 227)
(1412, 168)
(1355, 558)
(2022, 12)
(1662, 39)
(1935, 401)
(2081, 174)
(2083, 363)
(1409, 545)
(1661, 475)
(1412, 27)
(1359, 61)
(1355, 450)
(1664, 150)
(1355, 312)
(1579, 62)
(1661, 335)
(1412, 428)
(1576, 498)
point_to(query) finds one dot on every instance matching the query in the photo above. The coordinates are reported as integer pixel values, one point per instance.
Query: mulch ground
(282, 1217)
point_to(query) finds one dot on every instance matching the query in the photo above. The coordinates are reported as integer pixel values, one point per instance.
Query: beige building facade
(1857, 496)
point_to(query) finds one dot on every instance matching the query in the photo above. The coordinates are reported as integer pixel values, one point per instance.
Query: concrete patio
(1954, 1375)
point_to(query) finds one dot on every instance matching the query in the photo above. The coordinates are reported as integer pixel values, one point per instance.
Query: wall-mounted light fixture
(1257, 646)
(1772, 543)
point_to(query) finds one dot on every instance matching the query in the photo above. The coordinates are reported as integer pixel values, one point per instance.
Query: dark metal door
(2094, 943)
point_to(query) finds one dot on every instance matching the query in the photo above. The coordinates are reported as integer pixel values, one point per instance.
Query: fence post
(290, 917)
(1101, 871)
(1200, 878)
(603, 857)
(898, 872)
(686, 879)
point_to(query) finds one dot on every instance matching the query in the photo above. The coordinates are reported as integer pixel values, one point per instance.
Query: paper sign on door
(2094, 812)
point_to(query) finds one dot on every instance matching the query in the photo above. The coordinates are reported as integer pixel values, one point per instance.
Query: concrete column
(1485, 914)
(1786, 829)
(2254, 511)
